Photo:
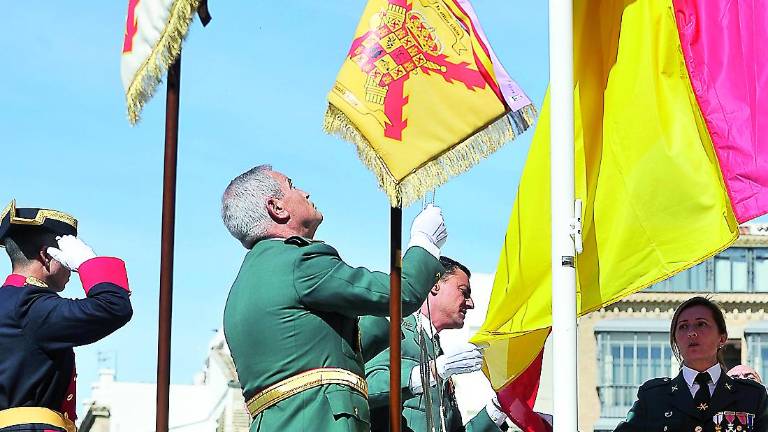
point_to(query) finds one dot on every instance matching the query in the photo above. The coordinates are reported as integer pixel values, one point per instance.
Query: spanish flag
(422, 95)
(671, 154)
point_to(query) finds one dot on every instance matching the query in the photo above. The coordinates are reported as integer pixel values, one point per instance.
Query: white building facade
(214, 403)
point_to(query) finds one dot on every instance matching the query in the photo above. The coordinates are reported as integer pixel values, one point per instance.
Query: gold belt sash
(29, 415)
(303, 381)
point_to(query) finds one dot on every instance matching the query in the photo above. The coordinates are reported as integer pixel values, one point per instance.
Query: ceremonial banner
(422, 95)
(655, 201)
(724, 43)
(154, 30)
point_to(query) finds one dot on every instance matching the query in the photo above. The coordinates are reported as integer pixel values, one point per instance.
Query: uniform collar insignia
(725, 393)
(36, 282)
(297, 241)
(300, 241)
(409, 323)
(19, 281)
(681, 399)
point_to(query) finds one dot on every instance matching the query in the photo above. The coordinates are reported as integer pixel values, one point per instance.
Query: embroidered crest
(402, 43)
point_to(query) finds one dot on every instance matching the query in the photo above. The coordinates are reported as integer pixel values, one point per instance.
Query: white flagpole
(562, 195)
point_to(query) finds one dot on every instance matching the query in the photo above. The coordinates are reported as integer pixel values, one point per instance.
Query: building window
(736, 269)
(691, 280)
(757, 348)
(760, 271)
(731, 270)
(626, 360)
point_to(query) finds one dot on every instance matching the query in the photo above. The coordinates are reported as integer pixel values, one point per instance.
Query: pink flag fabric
(725, 43)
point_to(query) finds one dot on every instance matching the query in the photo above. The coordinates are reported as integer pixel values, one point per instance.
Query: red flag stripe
(518, 397)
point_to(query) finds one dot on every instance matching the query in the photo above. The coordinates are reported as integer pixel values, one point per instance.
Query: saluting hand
(72, 252)
(428, 230)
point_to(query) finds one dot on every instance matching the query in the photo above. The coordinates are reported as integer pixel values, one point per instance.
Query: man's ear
(435, 289)
(276, 211)
(44, 258)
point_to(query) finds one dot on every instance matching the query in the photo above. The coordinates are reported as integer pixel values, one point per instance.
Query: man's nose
(470, 304)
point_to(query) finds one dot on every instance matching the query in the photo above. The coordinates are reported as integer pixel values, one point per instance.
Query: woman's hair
(717, 314)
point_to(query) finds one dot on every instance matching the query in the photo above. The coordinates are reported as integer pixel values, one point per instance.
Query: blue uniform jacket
(666, 405)
(39, 328)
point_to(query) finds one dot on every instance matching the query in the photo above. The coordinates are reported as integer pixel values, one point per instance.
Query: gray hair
(244, 204)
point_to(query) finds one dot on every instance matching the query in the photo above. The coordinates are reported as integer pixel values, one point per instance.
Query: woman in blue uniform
(702, 398)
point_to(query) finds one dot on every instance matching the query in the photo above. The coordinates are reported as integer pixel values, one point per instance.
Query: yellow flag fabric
(418, 95)
(654, 200)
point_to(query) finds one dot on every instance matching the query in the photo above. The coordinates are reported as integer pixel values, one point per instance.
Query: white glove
(428, 230)
(72, 252)
(493, 408)
(467, 358)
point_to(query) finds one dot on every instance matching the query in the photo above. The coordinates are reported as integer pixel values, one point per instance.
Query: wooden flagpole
(395, 317)
(166, 247)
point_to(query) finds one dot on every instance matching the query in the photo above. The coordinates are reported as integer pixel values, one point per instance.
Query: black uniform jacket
(38, 329)
(666, 405)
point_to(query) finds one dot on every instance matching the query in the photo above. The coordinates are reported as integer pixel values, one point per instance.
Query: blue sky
(253, 91)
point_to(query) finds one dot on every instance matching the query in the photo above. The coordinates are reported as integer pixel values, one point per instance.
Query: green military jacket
(666, 405)
(414, 410)
(293, 307)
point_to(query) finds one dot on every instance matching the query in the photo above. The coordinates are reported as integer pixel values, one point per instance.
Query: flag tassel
(163, 54)
(439, 170)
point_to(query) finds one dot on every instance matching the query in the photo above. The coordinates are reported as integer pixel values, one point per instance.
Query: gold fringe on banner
(165, 52)
(439, 170)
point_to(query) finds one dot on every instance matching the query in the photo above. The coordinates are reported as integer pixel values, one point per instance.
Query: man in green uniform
(291, 319)
(423, 361)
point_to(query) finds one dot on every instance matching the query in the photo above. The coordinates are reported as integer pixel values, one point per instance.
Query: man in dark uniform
(291, 318)
(39, 328)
